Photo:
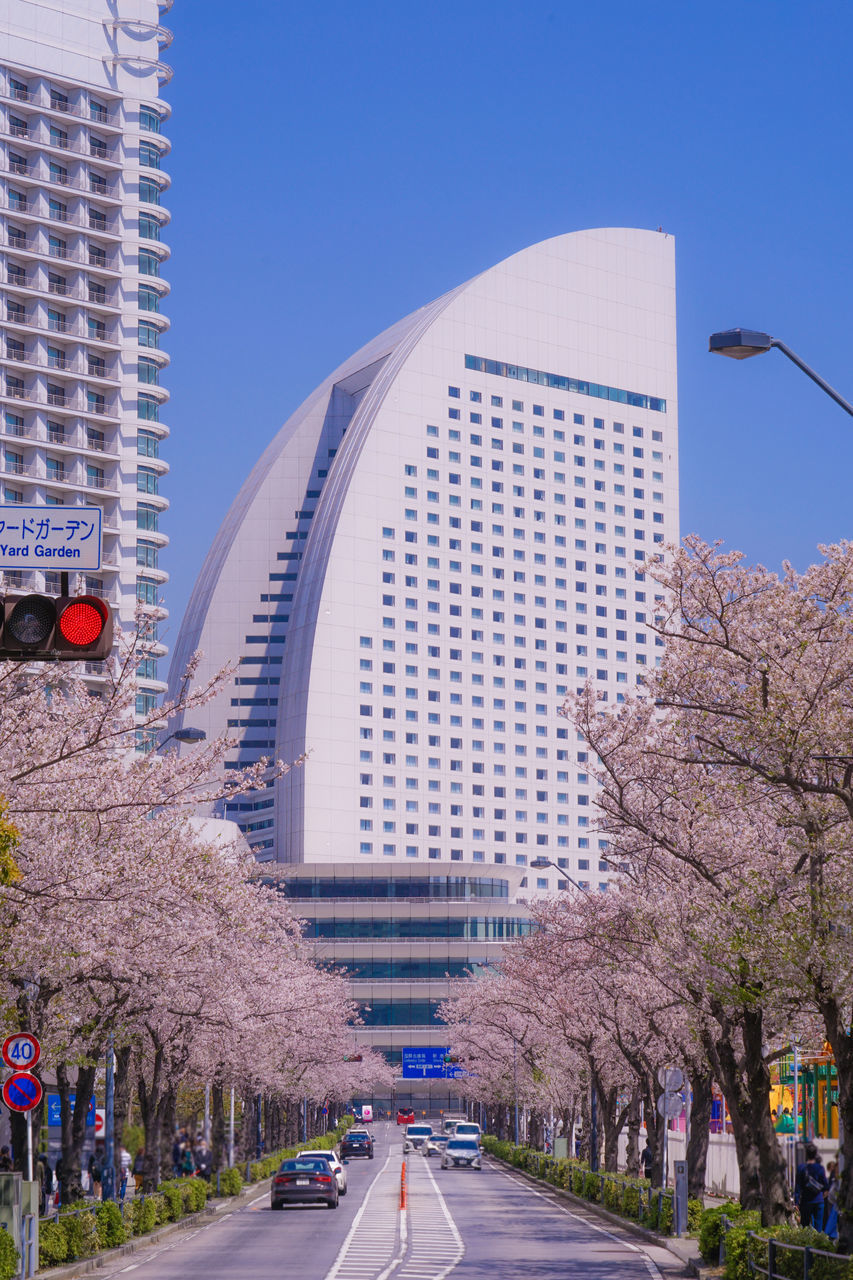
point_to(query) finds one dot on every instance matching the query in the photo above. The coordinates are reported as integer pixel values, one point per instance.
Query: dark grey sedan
(305, 1180)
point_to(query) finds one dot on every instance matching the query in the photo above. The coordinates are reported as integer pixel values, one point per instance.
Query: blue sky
(336, 165)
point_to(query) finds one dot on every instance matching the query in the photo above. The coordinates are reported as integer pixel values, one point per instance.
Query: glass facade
(432, 887)
(474, 928)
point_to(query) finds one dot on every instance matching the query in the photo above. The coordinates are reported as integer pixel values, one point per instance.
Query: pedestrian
(96, 1169)
(809, 1187)
(139, 1168)
(204, 1160)
(125, 1161)
(187, 1162)
(6, 1165)
(830, 1202)
(177, 1155)
(647, 1159)
(44, 1177)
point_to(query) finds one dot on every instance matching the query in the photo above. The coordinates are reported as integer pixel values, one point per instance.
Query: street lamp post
(740, 344)
(539, 864)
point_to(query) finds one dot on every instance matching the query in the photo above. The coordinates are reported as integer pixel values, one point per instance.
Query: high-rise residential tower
(82, 250)
(441, 542)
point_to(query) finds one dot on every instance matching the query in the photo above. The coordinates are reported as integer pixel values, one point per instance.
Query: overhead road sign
(21, 1051)
(429, 1062)
(22, 1091)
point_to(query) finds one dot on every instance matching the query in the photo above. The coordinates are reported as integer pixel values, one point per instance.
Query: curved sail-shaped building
(444, 539)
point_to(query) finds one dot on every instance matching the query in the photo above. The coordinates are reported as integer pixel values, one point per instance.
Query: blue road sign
(427, 1063)
(52, 1110)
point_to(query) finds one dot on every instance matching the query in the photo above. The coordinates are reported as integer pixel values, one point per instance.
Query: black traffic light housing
(56, 629)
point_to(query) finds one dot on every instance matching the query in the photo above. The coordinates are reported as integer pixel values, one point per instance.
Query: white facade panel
(462, 544)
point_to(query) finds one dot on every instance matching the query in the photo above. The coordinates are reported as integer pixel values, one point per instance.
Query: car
(467, 1129)
(435, 1144)
(450, 1122)
(462, 1153)
(304, 1180)
(357, 1142)
(416, 1135)
(334, 1163)
(405, 1117)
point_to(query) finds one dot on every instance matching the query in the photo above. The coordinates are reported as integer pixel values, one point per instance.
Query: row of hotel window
(76, 101)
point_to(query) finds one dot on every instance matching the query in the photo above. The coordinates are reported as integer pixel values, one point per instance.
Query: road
(471, 1224)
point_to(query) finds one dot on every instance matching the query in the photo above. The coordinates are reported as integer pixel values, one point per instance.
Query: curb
(693, 1263)
(85, 1266)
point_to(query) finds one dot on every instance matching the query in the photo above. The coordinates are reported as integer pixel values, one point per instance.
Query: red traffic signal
(56, 628)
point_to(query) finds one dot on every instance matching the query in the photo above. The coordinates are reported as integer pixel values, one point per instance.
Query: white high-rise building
(82, 251)
(439, 544)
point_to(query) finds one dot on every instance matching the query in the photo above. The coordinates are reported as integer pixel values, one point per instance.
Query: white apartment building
(83, 184)
(444, 540)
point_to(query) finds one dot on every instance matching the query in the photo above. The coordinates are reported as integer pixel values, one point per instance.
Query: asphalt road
(471, 1224)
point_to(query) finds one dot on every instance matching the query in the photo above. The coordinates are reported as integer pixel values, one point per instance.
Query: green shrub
(789, 1263)
(8, 1257)
(53, 1244)
(578, 1180)
(651, 1212)
(230, 1182)
(143, 1215)
(695, 1209)
(171, 1194)
(591, 1187)
(81, 1234)
(631, 1205)
(711, 1228)
(665, 1216)
(737, 1243)
(109, 1225)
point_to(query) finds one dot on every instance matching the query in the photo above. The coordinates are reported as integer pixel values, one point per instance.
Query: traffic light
(451, 1057)
(56, 629)
(353, 1057)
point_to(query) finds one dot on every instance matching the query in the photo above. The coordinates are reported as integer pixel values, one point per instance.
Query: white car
(462, 1153)
(334, 1163)
(467, 1129)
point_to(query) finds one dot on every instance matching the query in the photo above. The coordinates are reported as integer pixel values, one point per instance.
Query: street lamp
(740, 344)
(185, 735)
(539, 864)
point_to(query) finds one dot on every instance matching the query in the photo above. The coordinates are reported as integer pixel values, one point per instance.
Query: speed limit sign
(21, 1051)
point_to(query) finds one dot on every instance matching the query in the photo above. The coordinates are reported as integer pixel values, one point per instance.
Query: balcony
(88, 111)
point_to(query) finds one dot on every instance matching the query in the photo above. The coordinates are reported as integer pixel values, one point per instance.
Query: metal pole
(304, 1119)
(108, 1177)
(593, 1128)
(29, 1146)
(258, 1133)
(207, 1114)
(665, 1152)
(796, 1092)
(810, 373)
(515, 1083)
(231, 1133)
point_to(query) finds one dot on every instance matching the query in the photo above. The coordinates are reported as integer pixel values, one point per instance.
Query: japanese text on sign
(39, 537)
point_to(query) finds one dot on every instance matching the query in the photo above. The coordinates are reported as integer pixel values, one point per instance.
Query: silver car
(435, 1144)
(462, 1153)
(416, 1136)
(334, 1164)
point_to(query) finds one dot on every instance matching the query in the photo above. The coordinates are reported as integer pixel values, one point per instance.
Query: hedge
(741, 1246)
(86, 1229)
(8, 1257)
(630, 1197)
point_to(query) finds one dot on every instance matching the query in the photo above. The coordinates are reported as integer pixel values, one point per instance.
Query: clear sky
(337, 165)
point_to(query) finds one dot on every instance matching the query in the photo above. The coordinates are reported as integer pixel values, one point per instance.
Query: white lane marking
(404, 1244)
(378, 1231)
(437, 1247)
(555, 1204)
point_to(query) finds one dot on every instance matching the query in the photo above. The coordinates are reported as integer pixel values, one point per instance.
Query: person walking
(125, 1163)
(96, 1169)
(203, 1159)
(187, 1162)
(6, 1164)
(810, 1186)
(647, 1159)
(139, 1168)
(830, 1202)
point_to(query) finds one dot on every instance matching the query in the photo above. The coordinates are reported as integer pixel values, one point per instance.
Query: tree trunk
(156, 1105)
(700, 1122)
(73, 1127)
(840, 1037)
(218, 1141)
(632, 1154)
(121, 1103)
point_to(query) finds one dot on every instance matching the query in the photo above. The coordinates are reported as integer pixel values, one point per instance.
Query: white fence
(722, 1177)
